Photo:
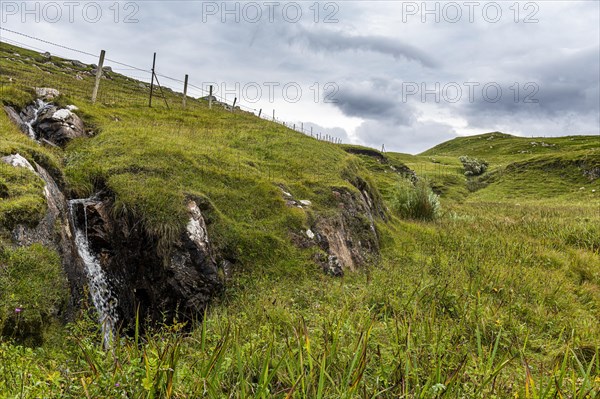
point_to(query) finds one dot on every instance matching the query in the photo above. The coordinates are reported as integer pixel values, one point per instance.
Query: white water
(102, 297)
(40, 105)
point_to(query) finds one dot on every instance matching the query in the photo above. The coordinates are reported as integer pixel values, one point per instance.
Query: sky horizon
(408, 75)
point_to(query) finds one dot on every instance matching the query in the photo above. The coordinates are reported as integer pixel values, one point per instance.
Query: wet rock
(52, 231)
(58, 126)
(180, 283)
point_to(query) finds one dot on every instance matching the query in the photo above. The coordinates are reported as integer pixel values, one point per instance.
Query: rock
(58, 126)
(105, 72)
(15, 118)
(334, 267)
(72, 107)
(305, 202)
(310, 234)
(46, 93)
(78, 64)
(78, 77)
(107, 69)
(53, 231)
(180, 281)
(349, 238)
(592, 173)
(18, 161)
(46, 55)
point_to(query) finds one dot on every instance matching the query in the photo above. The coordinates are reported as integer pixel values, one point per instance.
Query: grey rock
(15, 118)
(46, 93)
(58, 126)
(78, 64)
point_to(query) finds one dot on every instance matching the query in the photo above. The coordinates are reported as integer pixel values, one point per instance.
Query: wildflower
(117, 384)
(18, 310)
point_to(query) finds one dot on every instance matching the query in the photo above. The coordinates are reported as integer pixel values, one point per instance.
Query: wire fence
(134, 85)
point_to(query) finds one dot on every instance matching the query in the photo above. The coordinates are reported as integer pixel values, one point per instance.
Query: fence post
(294, 126)
(273, 115)
(259, 112)
(185, 85)
(210, 97)
(152, 82)
(233, 106)
(98, 76)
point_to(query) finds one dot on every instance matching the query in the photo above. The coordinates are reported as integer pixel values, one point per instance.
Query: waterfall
(37, 109)
(100, 292)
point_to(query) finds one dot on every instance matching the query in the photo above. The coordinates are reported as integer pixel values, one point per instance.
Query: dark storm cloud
(335, 41)
(563, 85)
(368, 103)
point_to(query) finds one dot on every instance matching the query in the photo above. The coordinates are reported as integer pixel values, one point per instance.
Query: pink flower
(18, 310)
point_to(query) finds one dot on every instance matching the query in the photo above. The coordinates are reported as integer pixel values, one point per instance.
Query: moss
(33, 292)
(22, 197)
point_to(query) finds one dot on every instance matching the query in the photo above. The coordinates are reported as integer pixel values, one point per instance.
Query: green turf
(499, 297)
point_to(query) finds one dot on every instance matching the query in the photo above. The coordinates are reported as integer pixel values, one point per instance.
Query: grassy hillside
(499, 297)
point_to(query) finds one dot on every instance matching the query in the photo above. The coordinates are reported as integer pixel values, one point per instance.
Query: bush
(416, 201)
(473, 166)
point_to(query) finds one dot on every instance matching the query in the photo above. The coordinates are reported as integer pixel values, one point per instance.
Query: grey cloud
(372, 101)
(335, 41)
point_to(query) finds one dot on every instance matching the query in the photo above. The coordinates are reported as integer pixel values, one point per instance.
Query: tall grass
(416, 201)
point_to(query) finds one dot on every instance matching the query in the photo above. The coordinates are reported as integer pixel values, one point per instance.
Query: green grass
(499, 297)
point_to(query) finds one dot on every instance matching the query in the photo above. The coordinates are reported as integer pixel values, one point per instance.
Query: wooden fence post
(233, 106)
(273, 115)
(259, 112)
(152, 82)
(210, 96)
(185, 85)
(98, 76)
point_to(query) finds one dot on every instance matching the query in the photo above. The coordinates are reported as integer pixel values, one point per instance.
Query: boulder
(58, 126)
(15, 118)
(46, 93)
(17, 161)
(78, 64)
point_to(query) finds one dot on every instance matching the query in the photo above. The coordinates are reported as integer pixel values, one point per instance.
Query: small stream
(100, 291)
(38, 107)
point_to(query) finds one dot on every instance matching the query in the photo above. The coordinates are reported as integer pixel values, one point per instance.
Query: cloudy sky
(405, 74)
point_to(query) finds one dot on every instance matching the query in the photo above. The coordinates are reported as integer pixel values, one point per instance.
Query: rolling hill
(249, 260)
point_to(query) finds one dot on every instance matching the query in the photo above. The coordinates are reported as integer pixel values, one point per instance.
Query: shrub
(416, 201)
(473, 166)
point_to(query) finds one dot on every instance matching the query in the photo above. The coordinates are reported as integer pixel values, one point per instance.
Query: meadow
(498, 297)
